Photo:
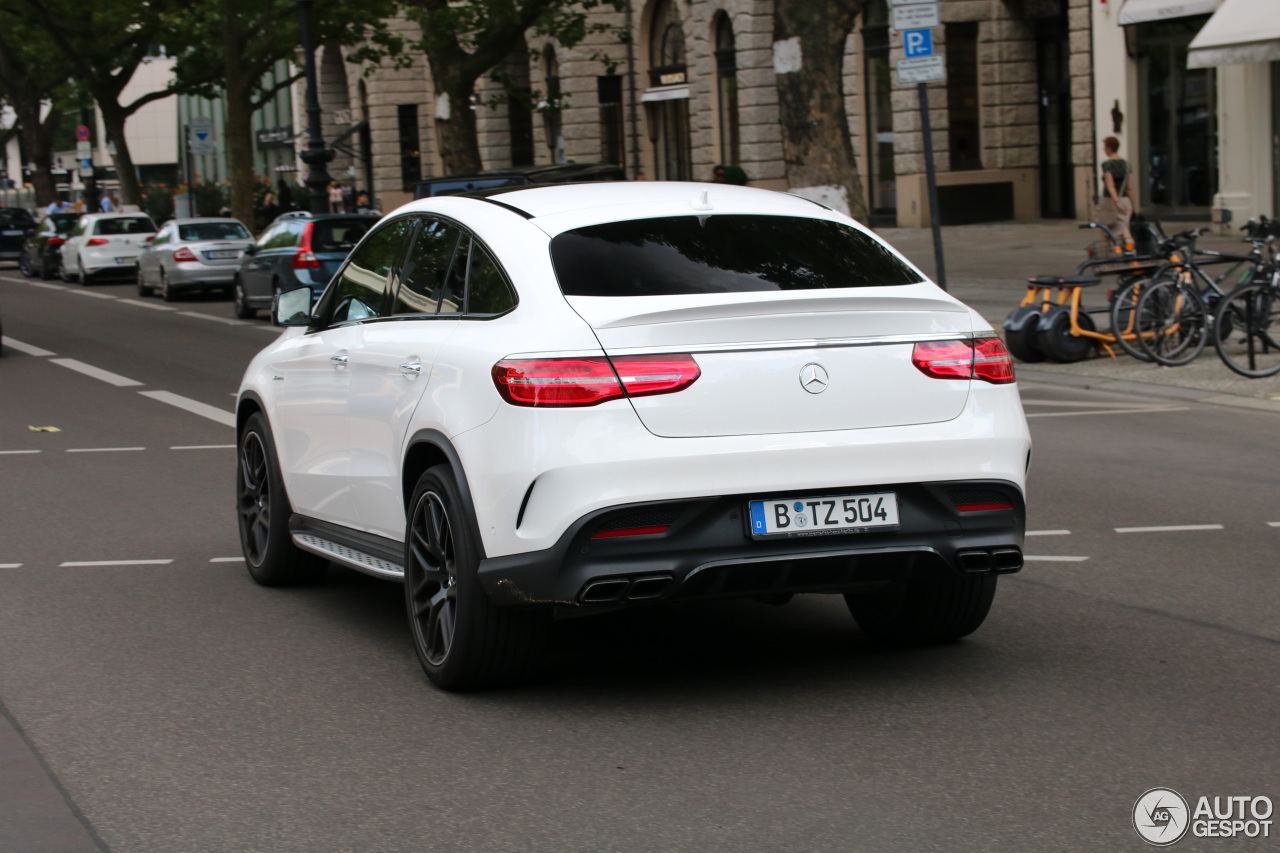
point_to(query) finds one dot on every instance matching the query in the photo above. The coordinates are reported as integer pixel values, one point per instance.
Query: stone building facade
(1012, 125)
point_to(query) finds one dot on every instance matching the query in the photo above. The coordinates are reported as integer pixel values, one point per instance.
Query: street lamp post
(316, 155)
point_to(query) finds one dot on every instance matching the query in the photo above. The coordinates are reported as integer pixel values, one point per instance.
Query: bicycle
(1247, 321)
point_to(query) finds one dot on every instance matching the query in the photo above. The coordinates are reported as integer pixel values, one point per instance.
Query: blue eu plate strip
(757, 517)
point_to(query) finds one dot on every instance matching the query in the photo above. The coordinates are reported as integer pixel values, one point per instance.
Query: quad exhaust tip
(611, 590)
(994, 561)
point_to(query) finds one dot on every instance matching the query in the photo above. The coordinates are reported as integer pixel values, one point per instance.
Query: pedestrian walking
(335, 198)
(1119, 200)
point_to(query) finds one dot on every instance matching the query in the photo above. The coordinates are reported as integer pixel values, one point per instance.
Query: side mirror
(292, 308)
(251, 249)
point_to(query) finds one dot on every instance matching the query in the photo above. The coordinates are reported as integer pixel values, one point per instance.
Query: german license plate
(129, 261)
(10, 233)
(222, 254)
(826, 514)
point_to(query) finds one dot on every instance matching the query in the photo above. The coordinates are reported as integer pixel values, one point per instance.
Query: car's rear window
(125, 225)
(197, 231)
(338, 235)
(64, 222)
(724, 253)
(15, 216)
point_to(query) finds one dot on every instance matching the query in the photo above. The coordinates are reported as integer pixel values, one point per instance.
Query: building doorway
(669, 116)
(1178, 148)
(1057, 196)
(882, 181)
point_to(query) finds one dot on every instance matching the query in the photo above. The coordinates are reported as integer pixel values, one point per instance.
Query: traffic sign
(918, 43)
(922, 69)
(201, 140)
(84, 150)
(86, 169)
(916, 16)
(82, 134)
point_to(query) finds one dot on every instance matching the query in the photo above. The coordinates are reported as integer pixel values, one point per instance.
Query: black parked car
(298, 249)
(42, 251)
(16, 224)
(523, 176)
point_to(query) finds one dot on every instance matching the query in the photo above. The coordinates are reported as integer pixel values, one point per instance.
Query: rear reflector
(985, 358)
(631, 531)
(981, 507)
(591, 380)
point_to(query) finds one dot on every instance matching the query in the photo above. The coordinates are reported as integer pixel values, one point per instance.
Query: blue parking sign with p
(917, 42)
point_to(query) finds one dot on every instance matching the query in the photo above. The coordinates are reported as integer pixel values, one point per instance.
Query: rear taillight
(96, 241)
(985, 358)
(55, 241)
(590, 380)
(185, 256)
(304, 258)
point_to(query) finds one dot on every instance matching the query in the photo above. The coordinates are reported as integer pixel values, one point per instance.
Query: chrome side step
(358, 560)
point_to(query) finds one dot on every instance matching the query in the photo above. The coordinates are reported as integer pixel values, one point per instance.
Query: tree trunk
(239, 130)
(815, 127)
(459, 144)
(37, 145)
(113, 117)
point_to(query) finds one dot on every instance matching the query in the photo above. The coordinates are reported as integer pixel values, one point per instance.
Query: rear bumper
(707, 552)
(199, 275)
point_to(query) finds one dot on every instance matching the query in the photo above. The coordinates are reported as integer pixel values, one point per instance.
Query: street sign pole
(931, 177)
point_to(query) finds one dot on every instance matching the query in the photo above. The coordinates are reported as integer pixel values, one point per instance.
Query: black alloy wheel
(44, 271)
(262, 513)
(433, 593)
(143, 288)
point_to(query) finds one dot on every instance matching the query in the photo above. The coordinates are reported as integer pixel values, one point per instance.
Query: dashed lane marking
(1086, 404)
(91, 293)
(1108, 412)
(151, 305)
(10, 565)
(205, 447)
(40, 284)
(17, 452)
(227, 560)
(1273, 524)
(1169, 528)
(87, 563)
(213, 413)
(1048, 533)
(226, 321)
(1026, 557)
(95, 372)
(104, 449)
(27, 348)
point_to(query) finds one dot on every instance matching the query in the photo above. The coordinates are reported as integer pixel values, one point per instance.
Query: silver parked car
(192, 254)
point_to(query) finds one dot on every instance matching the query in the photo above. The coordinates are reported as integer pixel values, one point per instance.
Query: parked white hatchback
(604, 395)
(104, 244)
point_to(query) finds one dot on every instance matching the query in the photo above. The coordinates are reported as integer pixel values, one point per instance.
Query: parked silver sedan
(192, 254)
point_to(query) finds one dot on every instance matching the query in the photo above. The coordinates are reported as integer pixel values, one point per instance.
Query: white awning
(1142, 11)
(665, 93)
(1240, 32)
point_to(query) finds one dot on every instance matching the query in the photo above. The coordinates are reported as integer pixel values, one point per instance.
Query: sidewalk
(988, 265)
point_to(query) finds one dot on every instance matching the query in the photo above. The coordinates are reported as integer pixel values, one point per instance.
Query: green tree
(464, 41)
(815, 126)
(32, 74)
(232, 46)
(104, 43)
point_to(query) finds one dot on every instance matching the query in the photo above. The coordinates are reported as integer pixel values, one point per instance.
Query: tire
(243, 309)
(1024, 343)
(463, 640)
(932, 606)
(1057, 342)
(1123, 307)
(143, 289)
(64, 274)
(43, 270)
(262, 513)
(1174, 323)
(24, 266)
(166, 293)
(83, 277)
(1246, 331)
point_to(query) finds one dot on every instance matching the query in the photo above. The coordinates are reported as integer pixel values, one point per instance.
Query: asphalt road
(175, 706)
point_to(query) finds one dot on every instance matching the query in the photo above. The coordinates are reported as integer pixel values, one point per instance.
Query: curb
(1094, 383)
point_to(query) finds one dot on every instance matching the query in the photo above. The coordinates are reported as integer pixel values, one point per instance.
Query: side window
(488, 291)
(162, 237)
(455, 283)
(267, 236)
(361, 290)
(283, 236)
(78, 231)
(426, 269)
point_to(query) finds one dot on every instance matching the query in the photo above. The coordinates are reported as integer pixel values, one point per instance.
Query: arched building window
(727, 90)
(668, 98)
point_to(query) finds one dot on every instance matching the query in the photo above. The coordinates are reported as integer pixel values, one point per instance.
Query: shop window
(963, 115)
(612, 130)
(410, 150)
(669, 113)
(727, 90)
(879, 112)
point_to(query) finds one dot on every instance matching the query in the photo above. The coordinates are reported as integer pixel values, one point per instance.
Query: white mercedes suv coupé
(577, 397)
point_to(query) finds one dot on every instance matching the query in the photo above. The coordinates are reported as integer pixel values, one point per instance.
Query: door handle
(339, 360)
(411, 369)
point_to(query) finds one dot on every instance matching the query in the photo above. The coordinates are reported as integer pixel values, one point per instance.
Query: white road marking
(224, 320)
(153, 306)
(1054, 559)
(227, 560)
(1048, 533)
(213, 413)
(1085, 404)
(96, 372)
(1169, 528)
(91, 293)
(103, 449)
(1108, 412)
(18, 452)
(205, 447)
(21, 347)
(1273, 524)
(45, 285)
(10, 565)
(83, 563)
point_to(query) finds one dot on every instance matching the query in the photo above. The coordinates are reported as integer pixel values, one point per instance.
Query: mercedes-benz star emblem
(813, 378)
